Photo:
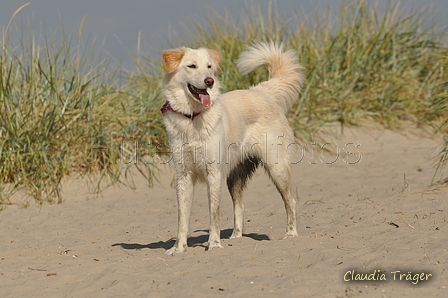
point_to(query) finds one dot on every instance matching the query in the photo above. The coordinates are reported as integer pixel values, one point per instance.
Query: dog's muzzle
(202, 94)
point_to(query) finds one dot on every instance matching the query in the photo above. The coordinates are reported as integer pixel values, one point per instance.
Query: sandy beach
(370, 214)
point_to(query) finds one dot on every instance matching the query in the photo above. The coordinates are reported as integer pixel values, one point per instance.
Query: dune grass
(64, 110)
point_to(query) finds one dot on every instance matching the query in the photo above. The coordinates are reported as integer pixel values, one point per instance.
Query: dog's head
(191, 84)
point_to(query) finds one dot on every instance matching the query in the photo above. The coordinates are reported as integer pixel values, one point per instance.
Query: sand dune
(377, 214)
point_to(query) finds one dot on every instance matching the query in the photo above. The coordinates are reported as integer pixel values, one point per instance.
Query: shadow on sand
(200, 240)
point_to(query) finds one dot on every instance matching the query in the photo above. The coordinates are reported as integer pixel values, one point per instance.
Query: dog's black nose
(209, 82)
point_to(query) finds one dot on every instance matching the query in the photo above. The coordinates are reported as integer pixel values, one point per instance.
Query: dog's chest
(194, 150)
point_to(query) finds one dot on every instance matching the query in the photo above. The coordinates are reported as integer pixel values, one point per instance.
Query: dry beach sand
(377, 214)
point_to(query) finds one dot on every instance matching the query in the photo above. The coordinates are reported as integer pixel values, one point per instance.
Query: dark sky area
(116, 24)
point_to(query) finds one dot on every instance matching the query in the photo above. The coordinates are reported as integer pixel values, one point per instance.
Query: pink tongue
(205, 99)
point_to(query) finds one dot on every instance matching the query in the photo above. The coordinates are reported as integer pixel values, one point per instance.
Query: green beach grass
(64, 111)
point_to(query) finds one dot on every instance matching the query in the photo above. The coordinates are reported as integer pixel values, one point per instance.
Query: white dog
(214, 136)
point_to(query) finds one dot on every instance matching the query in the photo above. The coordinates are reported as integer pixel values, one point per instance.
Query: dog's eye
(192, 66)
(209, 66)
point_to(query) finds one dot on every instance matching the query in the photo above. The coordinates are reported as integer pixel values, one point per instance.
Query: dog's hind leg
(184, 192)
(280, 174)
(236, 182)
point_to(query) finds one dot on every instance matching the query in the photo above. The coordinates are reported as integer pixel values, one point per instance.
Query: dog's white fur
(237, 132)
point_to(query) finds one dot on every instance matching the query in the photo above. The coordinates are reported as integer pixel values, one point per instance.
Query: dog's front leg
(214, 187)
(184, 190)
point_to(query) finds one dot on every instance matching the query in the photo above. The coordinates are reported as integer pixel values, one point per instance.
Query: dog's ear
(172, 58)
(216, 57)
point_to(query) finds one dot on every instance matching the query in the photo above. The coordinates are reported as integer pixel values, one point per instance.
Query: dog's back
(255, 121)
(257, 115)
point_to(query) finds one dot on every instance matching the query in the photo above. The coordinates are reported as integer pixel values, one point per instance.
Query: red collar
(167, 107)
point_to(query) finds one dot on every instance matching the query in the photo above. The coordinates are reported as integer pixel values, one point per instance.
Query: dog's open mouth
(200, 94)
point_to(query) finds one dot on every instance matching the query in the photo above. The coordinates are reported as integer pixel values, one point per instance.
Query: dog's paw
(175, 250)
(214, 244)
(236, 234)
(290, 234)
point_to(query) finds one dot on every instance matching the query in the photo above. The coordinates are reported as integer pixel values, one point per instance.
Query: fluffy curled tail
(286, 78)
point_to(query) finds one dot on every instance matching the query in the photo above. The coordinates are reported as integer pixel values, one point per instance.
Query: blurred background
(119, 27)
